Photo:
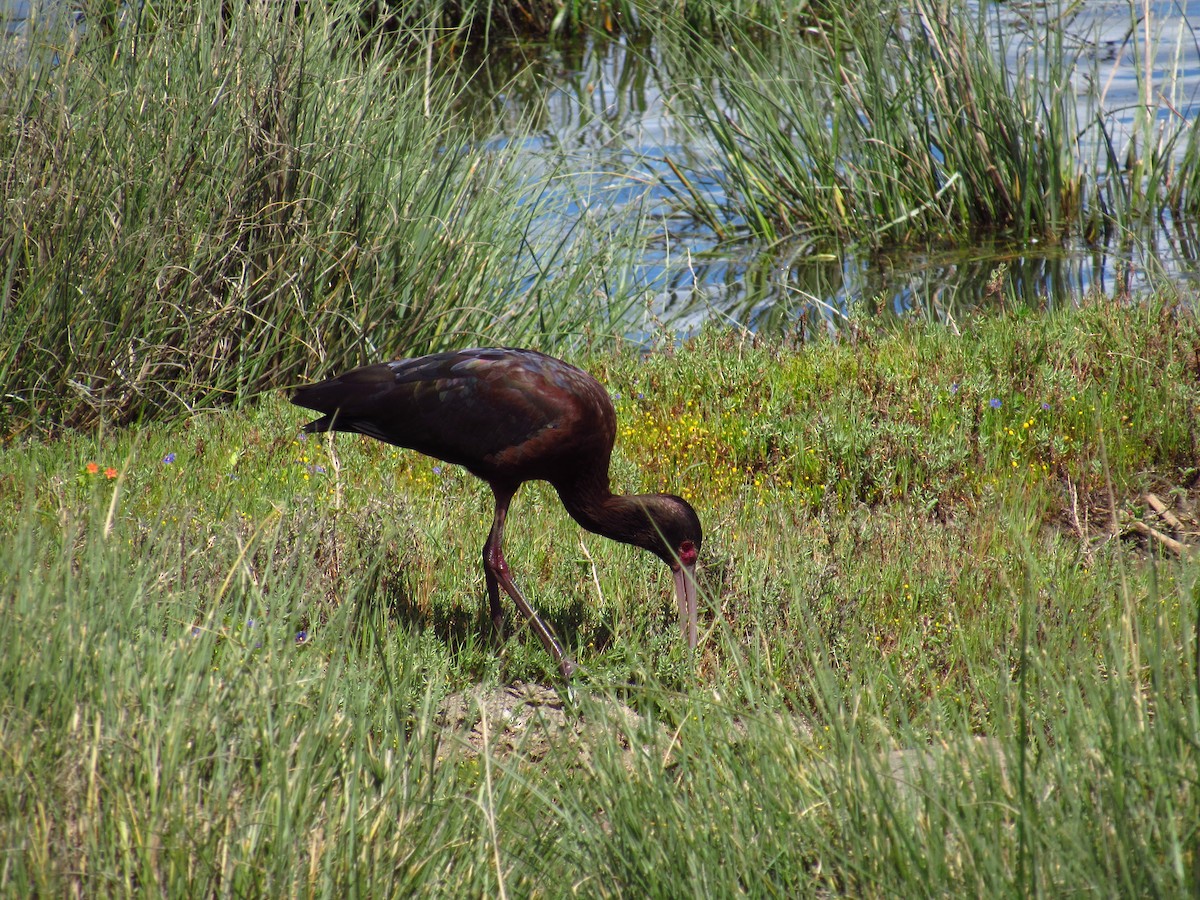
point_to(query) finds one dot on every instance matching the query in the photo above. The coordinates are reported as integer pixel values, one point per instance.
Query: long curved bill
(685, 593)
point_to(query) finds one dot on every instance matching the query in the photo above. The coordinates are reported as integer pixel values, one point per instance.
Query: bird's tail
(343, 400)
(319, 426)
(324, 397)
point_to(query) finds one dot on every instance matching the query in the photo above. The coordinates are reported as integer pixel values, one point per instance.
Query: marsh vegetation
(949, 641)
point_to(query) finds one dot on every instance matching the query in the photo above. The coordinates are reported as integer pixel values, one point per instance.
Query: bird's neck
(593, 505)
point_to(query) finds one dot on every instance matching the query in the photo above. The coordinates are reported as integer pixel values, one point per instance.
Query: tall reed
(214, 200)
(880, 124)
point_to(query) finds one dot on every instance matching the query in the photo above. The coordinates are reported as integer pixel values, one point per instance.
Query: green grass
(929, 664)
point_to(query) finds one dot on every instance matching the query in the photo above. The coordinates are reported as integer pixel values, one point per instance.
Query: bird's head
(675, 534)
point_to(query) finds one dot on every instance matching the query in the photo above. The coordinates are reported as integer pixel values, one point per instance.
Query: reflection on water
(35, 30)
(601, 112)
(593, 124)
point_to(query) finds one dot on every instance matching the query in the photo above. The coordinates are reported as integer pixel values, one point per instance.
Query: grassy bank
(937, 657)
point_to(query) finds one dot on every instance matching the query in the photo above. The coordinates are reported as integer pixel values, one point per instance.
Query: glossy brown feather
(510, 416)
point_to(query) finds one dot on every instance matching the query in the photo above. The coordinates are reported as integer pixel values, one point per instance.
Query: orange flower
(92, 468)
(110, 473)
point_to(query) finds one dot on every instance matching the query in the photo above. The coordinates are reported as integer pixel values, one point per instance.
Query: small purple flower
(437, 470)
(641, 396)
(195, 631)
(995, 403)
(617, 396)
(316, 469)
(302, 636)
(954, 387)
(1046, 406)
(168, 459)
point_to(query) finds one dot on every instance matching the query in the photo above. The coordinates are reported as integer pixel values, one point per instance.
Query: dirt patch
(528, 722)
(1163, 520)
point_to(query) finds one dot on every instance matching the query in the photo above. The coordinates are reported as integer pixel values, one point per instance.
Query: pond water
(601, 114)
(593, 124)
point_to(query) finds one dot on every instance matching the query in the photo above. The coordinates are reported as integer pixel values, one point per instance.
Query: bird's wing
(495, 411)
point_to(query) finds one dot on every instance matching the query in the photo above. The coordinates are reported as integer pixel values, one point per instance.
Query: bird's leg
(492, 546)
(495, 610)
(498, 574)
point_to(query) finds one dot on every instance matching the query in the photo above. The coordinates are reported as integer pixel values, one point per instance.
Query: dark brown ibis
(510, 416)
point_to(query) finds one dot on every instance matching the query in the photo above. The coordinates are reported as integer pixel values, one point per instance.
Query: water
(593, 125)
(602, 108)
(31, 26)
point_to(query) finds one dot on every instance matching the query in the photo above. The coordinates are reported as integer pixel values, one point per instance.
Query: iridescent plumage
(509, 416)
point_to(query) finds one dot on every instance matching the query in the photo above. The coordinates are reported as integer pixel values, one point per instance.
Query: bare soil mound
(529, 721)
